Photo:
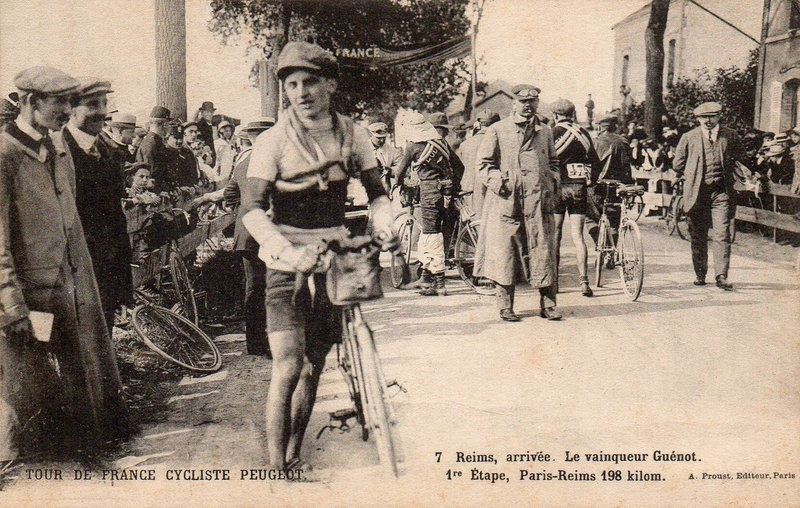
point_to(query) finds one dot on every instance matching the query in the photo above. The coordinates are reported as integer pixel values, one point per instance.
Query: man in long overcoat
(517, 163)
(59, 391)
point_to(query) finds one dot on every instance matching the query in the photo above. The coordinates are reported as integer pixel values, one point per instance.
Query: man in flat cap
(579, 166)
(517, 162)
(60, 389)
(153, 150)
(100, 187)
(299, 170)
(467, 152)
(615, 164)
(388, 156)
(706, 158)
(205, 131)
(120, 133)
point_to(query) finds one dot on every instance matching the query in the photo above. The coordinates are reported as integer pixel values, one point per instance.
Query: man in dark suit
(153, 150)
(706, 157)
(205, 131)
(100, 188)
(120, 135)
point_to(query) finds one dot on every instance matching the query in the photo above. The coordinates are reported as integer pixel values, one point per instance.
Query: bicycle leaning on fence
(627, 253)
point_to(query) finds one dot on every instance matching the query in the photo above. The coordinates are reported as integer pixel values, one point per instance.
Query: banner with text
(381, 57)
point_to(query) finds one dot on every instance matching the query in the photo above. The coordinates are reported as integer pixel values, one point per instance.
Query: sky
(565, 47)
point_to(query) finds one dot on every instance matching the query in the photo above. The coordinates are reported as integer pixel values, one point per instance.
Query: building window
(625, 62)
(790, 104)
(671, 63)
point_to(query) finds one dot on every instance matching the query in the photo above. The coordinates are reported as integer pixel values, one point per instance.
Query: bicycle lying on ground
(628, 252)
(173, 336)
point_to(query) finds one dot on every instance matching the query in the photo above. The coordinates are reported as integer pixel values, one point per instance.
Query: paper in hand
(42, 323)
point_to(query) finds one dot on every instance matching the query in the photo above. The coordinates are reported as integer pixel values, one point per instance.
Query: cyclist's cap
(608, 118)
(379, 129)
(47, 81)
(525, 92)
(564, 107)
(297, 55)
(708, 109)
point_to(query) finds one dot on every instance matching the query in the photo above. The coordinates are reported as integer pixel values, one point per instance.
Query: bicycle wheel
(669, 216)
(375, 399)
(602, 245)
(400, 273)
(681, 224)
(350, 367)
(464, 257)
(182, 286)
(635, 207)
(631, 259)
(176, 338)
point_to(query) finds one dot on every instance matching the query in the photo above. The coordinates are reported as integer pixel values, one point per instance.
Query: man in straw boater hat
(518, 164)
(299, 170)
(429, 154)
(60, 389)
(706, 157)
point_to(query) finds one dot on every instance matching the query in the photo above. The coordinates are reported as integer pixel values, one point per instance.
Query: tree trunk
(654, 81)
(170, 21)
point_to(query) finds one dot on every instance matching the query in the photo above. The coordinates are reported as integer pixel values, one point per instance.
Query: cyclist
(579, 164)
(288, 226)
(615, 164)
(430, 155)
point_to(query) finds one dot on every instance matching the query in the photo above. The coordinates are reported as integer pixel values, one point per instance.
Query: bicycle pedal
(400, 388)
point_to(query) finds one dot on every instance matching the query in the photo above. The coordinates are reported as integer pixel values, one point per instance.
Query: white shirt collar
(84, 140)
(28, 129)
(714, 133)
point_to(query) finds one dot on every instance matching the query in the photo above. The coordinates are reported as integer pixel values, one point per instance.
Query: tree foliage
(733, 87)
(265, 25)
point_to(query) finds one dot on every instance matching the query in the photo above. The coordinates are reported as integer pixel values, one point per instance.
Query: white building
(699, 33)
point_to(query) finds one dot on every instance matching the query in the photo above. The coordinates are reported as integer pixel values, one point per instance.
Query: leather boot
(437, 286)
(424, 280)
(585, 289)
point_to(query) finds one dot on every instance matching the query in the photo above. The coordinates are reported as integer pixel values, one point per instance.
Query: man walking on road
(579, 166)
(706, 157)
(302, 328)
(518, 164)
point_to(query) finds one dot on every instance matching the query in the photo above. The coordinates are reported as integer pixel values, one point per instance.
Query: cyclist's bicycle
(173, 336)
(675, 218)
(463, 244)
(460, 251)
(628, 253)
(361, 368)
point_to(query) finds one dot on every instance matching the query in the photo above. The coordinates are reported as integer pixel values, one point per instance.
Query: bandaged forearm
(381, 211)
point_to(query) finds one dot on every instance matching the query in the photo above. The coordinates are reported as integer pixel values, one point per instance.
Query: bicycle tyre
(400, 273)
(637, 204)
(669, 217)
(464, 256)
(375, 399)
(182, 286)
(679, 214)
(631, 259)
(599, 260)
(350, 367)
(176, 338)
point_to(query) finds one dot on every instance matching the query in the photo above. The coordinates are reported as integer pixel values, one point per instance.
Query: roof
(636, 14)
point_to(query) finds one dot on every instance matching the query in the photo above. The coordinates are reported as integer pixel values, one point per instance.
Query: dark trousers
(255, 310)
(504, 296)
(711, 211)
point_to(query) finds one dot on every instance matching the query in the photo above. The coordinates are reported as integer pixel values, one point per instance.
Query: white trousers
(431, 251)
